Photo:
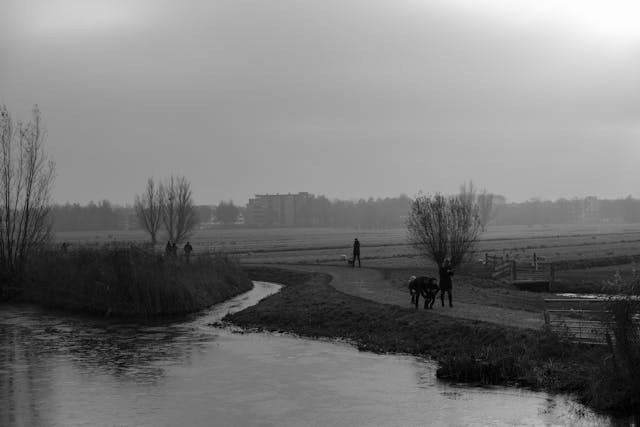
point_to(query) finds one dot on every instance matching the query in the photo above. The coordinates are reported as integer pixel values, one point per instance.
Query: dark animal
(425, 286)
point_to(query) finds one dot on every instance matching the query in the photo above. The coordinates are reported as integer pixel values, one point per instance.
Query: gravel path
(370, 284)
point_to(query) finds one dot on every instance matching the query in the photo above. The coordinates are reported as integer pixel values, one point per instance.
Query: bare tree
(483, 200)
(468, 192)
(485, 208)
(443, 227)
(148, 208)
(26, 178)
(178, 211)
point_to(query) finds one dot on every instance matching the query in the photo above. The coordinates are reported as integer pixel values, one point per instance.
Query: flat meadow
(585, 246)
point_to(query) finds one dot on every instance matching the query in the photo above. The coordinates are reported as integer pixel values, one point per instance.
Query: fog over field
(347, 99)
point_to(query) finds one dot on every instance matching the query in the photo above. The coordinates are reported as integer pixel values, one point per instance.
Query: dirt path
(370, 284)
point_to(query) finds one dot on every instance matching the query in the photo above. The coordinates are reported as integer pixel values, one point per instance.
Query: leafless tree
(443, 227)
(483, 200)
(178, 211)
(148, 208)
(485, 208)
(26, 178)
(468, 192)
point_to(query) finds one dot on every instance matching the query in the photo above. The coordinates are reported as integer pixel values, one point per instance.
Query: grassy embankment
(131, 281)
(466, 351)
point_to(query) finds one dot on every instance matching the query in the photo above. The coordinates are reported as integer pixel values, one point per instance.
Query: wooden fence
(538, 277)
(582, 320)
(579, 320)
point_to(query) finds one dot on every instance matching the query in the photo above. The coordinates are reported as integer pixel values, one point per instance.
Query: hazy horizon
(352, 199)
(351, 99)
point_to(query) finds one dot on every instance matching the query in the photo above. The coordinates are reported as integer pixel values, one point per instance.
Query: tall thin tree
(148, 208)
(26, 179)
(485, 208)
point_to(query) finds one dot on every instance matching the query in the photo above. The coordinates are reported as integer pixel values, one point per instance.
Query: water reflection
(61, 370)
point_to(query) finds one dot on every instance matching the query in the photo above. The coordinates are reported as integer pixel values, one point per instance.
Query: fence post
(513, 271)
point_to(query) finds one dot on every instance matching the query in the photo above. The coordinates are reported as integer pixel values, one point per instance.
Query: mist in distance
(348, 100)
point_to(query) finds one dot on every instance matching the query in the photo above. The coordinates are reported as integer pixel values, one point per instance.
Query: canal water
(61, 370)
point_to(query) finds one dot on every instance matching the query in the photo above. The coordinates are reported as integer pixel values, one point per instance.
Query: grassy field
(388, 248)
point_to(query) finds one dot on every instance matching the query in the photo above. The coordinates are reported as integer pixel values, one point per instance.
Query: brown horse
(425, 286)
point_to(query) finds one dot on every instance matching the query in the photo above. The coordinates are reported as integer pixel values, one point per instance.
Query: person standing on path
(445, 281)
(356, 252)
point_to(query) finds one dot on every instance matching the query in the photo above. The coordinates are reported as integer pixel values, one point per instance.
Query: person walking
(356, 253)
(446, 283)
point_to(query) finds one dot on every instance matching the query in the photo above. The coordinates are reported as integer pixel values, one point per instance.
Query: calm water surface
(57, 370)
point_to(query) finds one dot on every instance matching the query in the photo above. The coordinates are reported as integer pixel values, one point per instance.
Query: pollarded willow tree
(26, 179)
(443, 227)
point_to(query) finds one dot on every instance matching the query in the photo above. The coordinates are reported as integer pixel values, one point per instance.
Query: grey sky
(344, 98)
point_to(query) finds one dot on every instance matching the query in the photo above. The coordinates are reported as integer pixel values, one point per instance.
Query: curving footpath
(370, 284)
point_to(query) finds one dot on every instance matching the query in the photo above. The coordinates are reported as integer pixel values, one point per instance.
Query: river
(61, 370)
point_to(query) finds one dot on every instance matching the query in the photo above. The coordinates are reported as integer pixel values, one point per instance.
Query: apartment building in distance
(275, 210)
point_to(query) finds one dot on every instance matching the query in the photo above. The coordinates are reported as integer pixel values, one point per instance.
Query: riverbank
(131, 281)
(468, 351)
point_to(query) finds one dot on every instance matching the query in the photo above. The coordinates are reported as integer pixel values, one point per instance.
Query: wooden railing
(538, 277)
(581, 320)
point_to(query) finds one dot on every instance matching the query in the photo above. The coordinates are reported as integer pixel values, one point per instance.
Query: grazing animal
(425, 286)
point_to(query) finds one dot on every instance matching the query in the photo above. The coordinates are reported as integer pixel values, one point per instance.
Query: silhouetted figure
(356, 253)
(64, 246)
(174, 250)
(187, 251)
(445, 281)
(168, 248)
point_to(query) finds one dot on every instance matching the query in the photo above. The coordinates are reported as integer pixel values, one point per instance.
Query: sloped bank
(466, 351)
(131, 281)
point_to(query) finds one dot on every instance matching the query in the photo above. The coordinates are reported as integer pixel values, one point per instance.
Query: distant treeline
(389, 212)
(381, 213)
(104, 216)
(564, 211)
(93, 216)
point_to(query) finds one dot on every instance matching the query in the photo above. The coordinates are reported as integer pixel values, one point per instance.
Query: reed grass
(131, 281)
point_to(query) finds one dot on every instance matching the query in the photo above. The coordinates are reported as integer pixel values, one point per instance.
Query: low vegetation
(466, 351)
(131, 281)
(621, 376)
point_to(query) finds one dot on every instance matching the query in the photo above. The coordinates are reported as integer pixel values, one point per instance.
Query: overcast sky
(344, 98)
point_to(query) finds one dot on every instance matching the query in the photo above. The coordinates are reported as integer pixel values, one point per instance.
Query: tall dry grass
(131, 280)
